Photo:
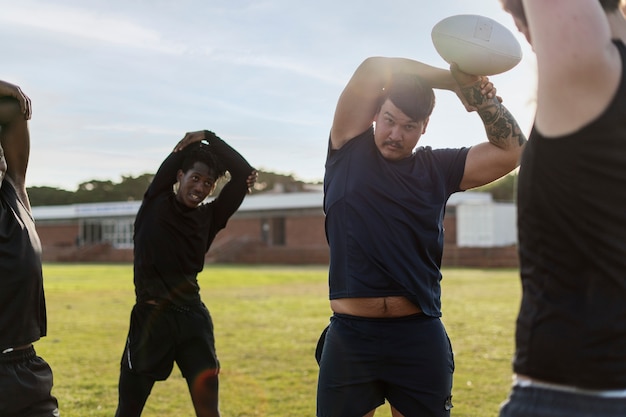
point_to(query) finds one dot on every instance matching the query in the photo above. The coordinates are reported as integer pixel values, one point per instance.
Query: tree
(132, 189)
(49, 196)
(502, 190)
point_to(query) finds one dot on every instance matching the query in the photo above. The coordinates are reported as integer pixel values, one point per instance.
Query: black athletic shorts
(26, 385)
(407, 361)
(160, 335)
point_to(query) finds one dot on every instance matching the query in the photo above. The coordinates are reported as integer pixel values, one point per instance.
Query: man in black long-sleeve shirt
(173, 231)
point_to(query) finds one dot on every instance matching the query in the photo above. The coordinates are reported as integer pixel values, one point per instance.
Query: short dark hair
(199, 152)
(516, 8)
(610, 5)
(410, 94)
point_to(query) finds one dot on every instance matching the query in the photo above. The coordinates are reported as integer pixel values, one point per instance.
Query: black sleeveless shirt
(571, 327)
(22, 304)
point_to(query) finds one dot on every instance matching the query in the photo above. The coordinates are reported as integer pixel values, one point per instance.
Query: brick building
(280, 228)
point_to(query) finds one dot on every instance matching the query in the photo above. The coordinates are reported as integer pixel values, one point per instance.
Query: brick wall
(241, 242)
(60, 235)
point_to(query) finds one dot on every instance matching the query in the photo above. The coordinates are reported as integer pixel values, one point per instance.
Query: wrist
(474, 96)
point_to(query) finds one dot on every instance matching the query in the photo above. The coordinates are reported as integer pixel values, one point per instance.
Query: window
(117, 232)
(273, 231)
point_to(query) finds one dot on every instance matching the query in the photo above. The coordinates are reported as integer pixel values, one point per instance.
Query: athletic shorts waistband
(523, 382)
(17, 356)
(411, 317)
(168, 305)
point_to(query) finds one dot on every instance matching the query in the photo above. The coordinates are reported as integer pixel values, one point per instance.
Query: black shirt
(171, 240)
(571, 328)
(22, 303)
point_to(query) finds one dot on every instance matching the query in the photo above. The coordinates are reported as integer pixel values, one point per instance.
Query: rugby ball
(477, 44)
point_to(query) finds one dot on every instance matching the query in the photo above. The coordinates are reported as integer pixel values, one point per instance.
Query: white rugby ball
(477, 44)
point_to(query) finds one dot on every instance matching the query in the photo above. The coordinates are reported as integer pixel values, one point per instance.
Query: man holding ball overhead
(570, 357)
(384, 203)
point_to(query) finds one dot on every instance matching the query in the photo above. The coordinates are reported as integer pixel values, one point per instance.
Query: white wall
(485, 224)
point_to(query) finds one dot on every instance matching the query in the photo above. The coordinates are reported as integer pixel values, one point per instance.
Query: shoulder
(579, 67)
(359, 141)
(565, 104)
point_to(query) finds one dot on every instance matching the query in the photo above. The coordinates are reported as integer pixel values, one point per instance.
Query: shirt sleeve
(233, 193)
(165, 177)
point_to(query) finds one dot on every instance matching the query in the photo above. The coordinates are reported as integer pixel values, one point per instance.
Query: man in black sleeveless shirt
(25, 378)
(570, 356)
(173, 231)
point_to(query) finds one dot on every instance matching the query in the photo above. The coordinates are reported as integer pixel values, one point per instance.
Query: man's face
(396, 134)
(195, 185)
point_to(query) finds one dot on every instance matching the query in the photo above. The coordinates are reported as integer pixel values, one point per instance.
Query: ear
(179, 175)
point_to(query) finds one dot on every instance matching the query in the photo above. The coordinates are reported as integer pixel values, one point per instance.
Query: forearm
(236, 164)
(14, 138)
(501, 127)
(165, 176)
(233, 193)
(384, 68)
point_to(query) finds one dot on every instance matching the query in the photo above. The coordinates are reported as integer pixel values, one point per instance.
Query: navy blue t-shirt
(384, 220)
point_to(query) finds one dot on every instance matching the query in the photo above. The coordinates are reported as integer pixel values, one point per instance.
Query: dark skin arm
(15, 111)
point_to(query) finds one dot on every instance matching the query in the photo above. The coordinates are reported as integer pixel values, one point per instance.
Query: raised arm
(233, 193)
(495, 158)
(15, 110)
(242, 174)
(578, 66)
(235, 164)
(361, 98)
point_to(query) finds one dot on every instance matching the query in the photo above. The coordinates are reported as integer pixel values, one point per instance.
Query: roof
(257, 202)
(75, 211)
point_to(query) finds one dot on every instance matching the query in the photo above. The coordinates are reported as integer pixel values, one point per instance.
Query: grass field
(267, 321)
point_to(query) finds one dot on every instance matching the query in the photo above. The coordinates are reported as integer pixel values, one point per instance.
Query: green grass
(267, 321)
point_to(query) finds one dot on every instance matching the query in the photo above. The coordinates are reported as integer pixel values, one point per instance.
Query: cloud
(87, 25)
(134, 128)
(115, 83)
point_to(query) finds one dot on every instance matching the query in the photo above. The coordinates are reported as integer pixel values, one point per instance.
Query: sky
(116, 83)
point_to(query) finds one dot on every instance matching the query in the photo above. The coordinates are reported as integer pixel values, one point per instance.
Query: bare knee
(205, 394)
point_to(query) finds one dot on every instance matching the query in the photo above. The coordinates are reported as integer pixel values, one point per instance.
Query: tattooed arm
(488, 161)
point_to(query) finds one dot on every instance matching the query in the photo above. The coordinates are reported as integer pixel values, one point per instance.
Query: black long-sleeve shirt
(171, 240)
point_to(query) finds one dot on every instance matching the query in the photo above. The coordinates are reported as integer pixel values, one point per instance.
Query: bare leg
(396, 413)
(204, 390)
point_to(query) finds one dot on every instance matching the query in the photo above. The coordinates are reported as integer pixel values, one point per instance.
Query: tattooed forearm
(502, 128)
